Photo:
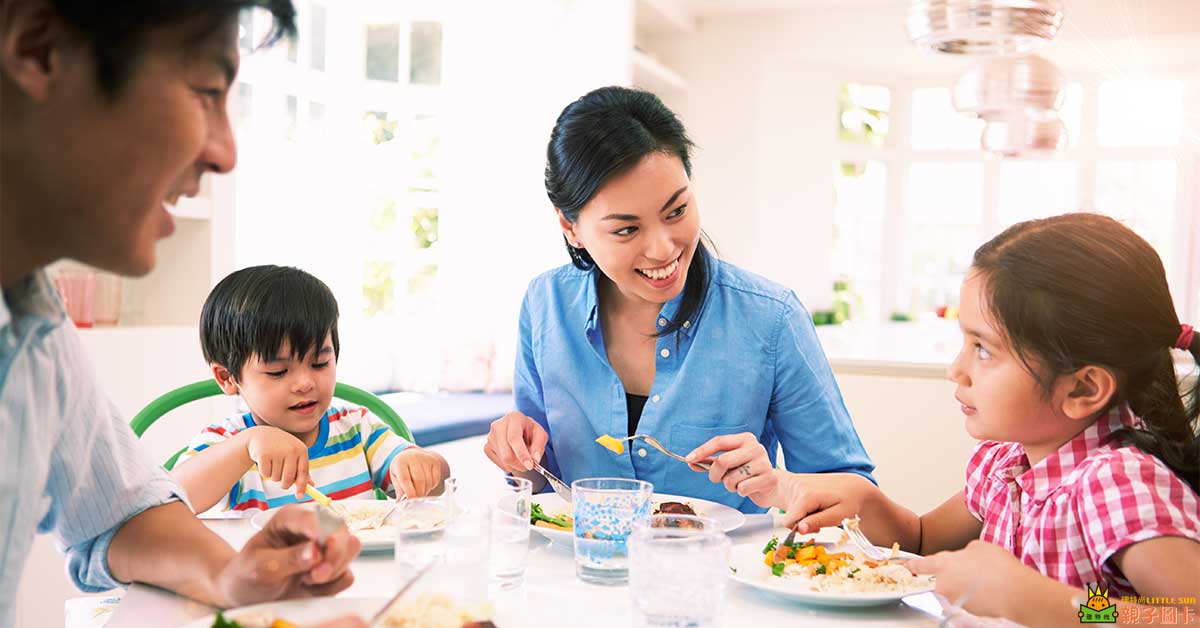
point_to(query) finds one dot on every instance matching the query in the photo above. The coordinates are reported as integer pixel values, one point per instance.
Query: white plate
(553, 505)
(381, 539)
(747, 567)
(308, 611)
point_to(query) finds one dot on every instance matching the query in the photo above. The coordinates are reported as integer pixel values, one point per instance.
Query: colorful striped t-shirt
(349, 460)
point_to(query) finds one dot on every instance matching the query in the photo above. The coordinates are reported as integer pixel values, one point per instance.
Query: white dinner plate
(374, 540)
(747, 567)
(302, 612)
(553, 505)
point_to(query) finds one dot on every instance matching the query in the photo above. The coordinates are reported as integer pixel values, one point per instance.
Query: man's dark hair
(253, 310)
(116, 31)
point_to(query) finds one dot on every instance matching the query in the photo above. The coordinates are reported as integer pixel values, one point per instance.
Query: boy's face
(102, 168)
(1001, 400)
(290, 392)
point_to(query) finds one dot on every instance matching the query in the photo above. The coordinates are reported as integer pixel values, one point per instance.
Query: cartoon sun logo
(1098, 609)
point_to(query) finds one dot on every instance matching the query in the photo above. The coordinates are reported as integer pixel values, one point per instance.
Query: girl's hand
(515, 442)
(417, 472)
(742, 466)
(280, 457)
(982, 578)
(818, 500)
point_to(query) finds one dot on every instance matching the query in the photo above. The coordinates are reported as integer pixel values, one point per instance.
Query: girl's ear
(1086, 392)
(224, 379)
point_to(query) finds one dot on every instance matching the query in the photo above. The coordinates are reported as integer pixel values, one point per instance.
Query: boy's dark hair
(253, 310)
(1080, 289)
(605, 133)
(116, 30)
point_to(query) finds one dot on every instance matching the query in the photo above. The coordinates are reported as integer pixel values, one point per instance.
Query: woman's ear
(568, 229)
(1087, 391)
(224, 379)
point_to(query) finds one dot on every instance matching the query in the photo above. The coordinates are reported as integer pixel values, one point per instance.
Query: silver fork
(653, 442)
(861, 541)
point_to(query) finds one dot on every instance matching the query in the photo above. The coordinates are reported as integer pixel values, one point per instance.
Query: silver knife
(382, 614)
(560, 487)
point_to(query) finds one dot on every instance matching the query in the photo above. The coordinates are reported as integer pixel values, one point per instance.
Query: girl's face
(641, 228)
(1001, 400)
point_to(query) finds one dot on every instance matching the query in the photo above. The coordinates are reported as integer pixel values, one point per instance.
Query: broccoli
(221, 622)
(536, 514)
(771, 544)
(777, 569)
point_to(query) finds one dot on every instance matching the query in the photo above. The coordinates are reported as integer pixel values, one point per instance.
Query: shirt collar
(1042, 479)
(591, 302)
(34, 295)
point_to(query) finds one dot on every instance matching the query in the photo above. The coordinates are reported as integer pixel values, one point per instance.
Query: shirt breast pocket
(685, 438)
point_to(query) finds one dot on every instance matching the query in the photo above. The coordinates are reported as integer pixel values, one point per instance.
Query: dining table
(551, 594)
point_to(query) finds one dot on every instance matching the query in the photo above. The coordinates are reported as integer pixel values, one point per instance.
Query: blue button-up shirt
(751, 362)
(68, 463)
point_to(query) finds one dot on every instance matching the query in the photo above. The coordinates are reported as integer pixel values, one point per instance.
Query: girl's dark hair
(116, 31)
(1080, 289)
(604, 134)
(253, 310)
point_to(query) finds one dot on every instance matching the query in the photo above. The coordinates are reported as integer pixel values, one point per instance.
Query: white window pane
(941, 193)
(1140, 113)
(425, 54)
(316, 29)
(1036, 189)
(860, 193)
(1142, 195)
(1071, 112)
(937, 126)
(863, 114)
(383, 52)
(940, 257)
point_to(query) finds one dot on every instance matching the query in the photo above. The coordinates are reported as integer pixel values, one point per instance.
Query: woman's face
(641, 228)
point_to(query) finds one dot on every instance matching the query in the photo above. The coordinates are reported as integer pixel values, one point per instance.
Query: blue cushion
(441, 417)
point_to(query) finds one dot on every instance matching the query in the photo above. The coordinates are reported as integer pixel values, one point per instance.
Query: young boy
(269, 333)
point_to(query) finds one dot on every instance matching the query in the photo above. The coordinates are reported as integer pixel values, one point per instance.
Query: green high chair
(209, 388)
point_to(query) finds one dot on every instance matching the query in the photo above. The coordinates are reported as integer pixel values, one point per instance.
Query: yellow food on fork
(318, 496)
(612, 444)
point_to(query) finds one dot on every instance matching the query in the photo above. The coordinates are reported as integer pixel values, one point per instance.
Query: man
(108, 111)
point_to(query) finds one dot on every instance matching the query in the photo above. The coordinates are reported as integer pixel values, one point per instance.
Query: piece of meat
(674, 508)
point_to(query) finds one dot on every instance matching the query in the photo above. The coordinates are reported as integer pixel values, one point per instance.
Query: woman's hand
(515, 442)
(742, 466)
(280, 457)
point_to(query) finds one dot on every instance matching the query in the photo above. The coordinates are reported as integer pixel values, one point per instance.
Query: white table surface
(551, 595)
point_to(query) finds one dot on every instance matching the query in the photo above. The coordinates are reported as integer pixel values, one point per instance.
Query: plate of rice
(824, 571)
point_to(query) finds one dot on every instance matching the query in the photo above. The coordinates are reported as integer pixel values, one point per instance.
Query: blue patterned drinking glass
(605, 511)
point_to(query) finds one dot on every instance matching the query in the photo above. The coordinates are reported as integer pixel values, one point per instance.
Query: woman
(647, 332)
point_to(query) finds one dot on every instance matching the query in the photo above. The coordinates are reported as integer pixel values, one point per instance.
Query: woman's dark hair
(1083, 289)
(253, 310)
(116, 31)
(603, 134)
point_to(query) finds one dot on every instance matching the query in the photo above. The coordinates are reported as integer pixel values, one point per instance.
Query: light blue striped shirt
(69, 463)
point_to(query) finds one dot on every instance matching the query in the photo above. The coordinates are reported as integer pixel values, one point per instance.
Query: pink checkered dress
(1094, 496)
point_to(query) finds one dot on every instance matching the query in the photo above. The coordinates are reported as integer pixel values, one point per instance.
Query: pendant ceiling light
(1022, 136)
(997, 87)
(984, 26)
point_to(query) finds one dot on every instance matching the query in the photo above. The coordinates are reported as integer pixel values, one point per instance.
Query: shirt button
(642, 452)
(687, 324)
(655, 398)
(666, 353)
(662, 322)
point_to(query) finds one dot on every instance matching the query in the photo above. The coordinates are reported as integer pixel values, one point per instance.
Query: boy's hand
(417, 472)
(280, 457)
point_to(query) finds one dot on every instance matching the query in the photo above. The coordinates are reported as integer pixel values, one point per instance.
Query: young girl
(1087, 470)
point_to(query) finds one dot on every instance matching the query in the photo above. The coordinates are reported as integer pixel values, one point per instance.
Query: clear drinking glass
(421, 530)
(605, 511)
(677, 571)
(510, 532)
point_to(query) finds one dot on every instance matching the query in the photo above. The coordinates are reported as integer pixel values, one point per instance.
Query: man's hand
(284, 560)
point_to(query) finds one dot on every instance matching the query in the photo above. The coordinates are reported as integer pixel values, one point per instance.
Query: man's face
(110, 164)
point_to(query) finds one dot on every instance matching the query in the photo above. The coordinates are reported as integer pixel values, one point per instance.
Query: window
(946, 196)
(425, 54)
(383, 52)
(316, 34)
